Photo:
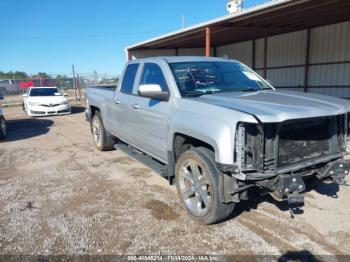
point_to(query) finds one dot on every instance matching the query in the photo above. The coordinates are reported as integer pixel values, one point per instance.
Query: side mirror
(153, 91)
(65, 94)
(25, 95)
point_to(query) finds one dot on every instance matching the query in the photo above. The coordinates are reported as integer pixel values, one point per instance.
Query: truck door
(150, 117)
(122, 107)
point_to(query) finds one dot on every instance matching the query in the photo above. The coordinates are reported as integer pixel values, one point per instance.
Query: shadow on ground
(303, 255)
(77, 109)
(22, 129)
(256, 197)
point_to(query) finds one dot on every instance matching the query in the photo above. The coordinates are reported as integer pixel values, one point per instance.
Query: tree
(41, 75)
(14, 75)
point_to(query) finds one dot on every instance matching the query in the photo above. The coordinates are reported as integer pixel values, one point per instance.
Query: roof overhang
(272, 18)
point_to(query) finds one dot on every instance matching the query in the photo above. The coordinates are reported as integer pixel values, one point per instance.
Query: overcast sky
(50, 36)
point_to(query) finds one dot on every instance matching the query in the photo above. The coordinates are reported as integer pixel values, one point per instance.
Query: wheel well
(93, 110)
(183, 142)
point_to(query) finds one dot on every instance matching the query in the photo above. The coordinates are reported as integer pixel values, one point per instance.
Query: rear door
(123, 101)
(150, 117)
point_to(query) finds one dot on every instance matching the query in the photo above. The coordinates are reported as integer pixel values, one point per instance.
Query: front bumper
(283, 186)
(49, 111)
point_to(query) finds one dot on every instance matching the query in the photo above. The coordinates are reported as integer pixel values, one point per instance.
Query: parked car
(220, 129)
(3, 126)
(44, 101)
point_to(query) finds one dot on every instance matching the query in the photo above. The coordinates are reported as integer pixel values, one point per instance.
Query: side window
(152, 74)
(129, 78)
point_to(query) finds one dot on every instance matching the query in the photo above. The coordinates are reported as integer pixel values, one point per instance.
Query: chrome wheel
(194, 187)
(97, 132)
(3, 126)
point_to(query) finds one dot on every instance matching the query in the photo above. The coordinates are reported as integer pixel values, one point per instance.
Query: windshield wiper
(250, 89)
(198, 94)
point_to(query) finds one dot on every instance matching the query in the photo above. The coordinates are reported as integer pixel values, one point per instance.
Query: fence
(64, 83)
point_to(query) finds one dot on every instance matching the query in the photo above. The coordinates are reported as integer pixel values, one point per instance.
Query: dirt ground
(59, 195)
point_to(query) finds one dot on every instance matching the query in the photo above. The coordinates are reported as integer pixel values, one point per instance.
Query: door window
(129, 78)
(152, 74)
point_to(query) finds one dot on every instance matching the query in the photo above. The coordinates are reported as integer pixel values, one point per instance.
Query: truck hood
(278, 106)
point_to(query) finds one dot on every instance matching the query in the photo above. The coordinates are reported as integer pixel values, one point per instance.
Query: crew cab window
(152, 74)
(129, 78)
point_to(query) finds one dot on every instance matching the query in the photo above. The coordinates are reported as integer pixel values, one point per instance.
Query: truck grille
(306, 139)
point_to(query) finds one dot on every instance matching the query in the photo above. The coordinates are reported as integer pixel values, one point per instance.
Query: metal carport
(301, 45)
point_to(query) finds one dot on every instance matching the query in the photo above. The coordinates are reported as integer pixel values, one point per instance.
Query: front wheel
(197, 183)
(3, 128)
(103, 140)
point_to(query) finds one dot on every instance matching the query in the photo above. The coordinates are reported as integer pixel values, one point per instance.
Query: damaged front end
(278, 156)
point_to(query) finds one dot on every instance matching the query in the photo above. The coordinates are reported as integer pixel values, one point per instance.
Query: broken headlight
(249, 147)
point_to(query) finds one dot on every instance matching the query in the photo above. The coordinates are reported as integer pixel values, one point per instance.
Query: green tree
(13, 75)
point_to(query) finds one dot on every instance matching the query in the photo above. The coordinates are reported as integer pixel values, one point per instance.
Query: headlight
(65, 103)
(249, 147)
(34, 103)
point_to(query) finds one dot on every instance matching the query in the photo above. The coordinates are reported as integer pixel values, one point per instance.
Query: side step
(150, 162)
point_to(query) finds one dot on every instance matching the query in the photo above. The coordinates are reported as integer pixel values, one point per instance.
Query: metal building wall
(285, 63)
(191, 51)
(330, 60)
(286, 59)
(284, 51)
(137, 54)
(240, 51)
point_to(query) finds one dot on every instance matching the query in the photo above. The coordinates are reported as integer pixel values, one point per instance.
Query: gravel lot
(59, 195)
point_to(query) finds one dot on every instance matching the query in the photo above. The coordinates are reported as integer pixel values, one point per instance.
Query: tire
(197, 184)
(3, 128)
(103, 140)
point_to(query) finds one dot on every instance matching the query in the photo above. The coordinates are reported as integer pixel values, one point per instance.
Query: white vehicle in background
(3, 127)
(45, 101)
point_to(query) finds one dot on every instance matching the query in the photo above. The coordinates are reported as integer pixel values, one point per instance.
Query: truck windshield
(200, 78)
(44, 92)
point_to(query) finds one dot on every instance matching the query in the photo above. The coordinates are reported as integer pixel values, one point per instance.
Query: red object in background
(26, 84)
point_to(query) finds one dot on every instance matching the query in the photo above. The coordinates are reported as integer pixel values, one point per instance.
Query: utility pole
(74, 84)
(78, 85)
(41, 81)
(183, 21)
(96, 77)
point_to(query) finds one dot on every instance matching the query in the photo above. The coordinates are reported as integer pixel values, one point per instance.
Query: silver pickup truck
(220, 129)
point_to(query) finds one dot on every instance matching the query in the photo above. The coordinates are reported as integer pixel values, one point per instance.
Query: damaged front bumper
(283, 186)
(291, 186)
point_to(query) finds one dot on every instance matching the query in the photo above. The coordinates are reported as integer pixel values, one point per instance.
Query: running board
(137, 155)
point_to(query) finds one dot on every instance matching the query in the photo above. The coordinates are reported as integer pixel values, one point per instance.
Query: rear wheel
(197, 183)
(103, 140)
(3, 128)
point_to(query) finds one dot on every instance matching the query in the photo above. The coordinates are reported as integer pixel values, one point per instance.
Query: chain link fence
(74, 87)
(65, 83)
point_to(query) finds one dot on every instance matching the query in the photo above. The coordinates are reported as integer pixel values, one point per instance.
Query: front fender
(219, 132)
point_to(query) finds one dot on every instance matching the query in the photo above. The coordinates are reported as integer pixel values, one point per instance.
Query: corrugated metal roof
(272, 18)
(210, 22)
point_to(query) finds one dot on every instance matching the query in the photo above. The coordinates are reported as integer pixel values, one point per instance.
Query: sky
(52, 35)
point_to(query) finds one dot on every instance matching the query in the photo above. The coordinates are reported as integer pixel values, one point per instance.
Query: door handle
(117, 101)
(135, 106)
